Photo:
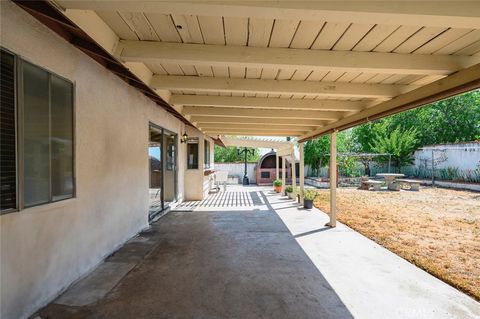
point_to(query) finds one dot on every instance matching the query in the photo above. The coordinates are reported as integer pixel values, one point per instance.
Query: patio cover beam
(267, 103)
(299, 59)
(255, 143)
(457, 83)
(254, 86)
(454, 14)
(260, 113)
(272, 126)
(199, 120)
(253, 132)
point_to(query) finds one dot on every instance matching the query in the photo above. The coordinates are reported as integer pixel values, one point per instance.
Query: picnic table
(390, 179)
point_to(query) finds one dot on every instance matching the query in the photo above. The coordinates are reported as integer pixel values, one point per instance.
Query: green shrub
(310, 194)
(277, 182)
(289, 189)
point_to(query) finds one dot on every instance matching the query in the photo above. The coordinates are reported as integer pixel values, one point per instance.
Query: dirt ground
(436, 229)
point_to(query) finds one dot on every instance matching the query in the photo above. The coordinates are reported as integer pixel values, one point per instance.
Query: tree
(400, 143)
(315, 153)
(230, 155)
(453, 120)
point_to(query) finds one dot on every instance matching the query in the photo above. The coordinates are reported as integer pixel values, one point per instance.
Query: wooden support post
(284, 180)
(294, 174)
(277, 168)
(302, 174)
(333, 180)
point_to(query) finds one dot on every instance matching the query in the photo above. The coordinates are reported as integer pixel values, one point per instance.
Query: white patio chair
(221, 177)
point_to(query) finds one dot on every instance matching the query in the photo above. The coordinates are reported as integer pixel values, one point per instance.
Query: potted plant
(308, 198)
(277, 185)
(289, 191)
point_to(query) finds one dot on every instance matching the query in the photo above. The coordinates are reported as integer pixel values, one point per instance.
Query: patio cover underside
(298, 69)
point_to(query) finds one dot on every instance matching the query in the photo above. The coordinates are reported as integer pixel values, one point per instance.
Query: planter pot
(290, 195)
(277, 189)
(308, 203)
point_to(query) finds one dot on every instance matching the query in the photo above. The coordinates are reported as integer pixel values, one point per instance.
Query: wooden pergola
(287, 68)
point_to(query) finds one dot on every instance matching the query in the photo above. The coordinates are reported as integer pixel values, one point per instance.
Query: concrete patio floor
(250, 253)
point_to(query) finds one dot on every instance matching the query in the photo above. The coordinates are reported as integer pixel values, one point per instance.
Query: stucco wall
(44, 249)
(464, 156)
(238, 169)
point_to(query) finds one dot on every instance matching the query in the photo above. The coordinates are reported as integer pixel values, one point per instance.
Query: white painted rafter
(256, 142)
(259, 113)
(200, 120)
(228, 85)
(258, 127)
(454, 14)
(267, 103)
(296, 59)
(253, 132)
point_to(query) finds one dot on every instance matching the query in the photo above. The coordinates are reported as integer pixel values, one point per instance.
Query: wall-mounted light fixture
(184, 138)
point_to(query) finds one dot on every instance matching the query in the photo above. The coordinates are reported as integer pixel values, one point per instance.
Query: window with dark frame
(192, 155)
(45, 145)
(8, 141)
(265, 174)
(206, 152)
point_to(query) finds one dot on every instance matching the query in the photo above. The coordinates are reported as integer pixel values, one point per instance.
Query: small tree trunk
(367, 169)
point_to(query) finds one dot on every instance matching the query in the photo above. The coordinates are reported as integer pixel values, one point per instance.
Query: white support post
(294, 174)
(277, 168)
(284, 180)
(333, 180)
(302, 174)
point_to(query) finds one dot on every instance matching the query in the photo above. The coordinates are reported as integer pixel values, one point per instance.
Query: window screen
(44, 142)
(47, 136)
(8, 179)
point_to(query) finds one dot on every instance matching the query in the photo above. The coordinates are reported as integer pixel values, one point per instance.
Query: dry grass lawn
(436, 229)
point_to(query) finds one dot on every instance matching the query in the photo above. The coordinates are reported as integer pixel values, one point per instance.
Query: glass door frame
(164, 167)
(163, 158)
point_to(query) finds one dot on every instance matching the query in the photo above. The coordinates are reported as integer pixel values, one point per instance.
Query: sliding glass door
(162, 151)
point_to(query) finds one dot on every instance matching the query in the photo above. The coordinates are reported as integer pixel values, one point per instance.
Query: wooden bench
(414, 185)
(366, 185)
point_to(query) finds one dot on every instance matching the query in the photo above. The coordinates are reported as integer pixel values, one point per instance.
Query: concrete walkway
(270, 260)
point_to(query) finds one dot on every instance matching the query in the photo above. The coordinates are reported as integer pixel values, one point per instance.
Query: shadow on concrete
(313, 232)
(256, 199)
(218, 264)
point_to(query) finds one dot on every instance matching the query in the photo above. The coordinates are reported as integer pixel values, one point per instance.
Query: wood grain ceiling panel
(418, 39)
(188, 28)
(329, 35)
(396, 38)
(306, 34)
(352, 36)
(164, 27)
(283, 32)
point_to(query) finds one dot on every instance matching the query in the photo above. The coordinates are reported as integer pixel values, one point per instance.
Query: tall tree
(400, 143)
(315, 153)
(230, 155)
(452, 120)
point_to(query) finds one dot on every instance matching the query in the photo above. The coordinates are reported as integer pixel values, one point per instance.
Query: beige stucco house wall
(46, 248)
(195, 177)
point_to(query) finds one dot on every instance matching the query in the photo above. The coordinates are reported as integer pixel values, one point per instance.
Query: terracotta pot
(277, 189)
